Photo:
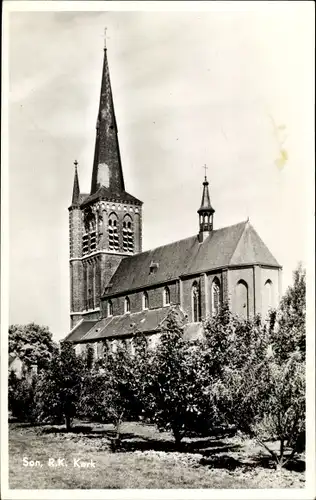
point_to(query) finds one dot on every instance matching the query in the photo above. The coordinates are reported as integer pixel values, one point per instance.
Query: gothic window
(131, 347)
(145, 300)
(110, 308)
(93, 238)
(127, 305)
(216, 296)
(166, 296)
(267, 297)
(89, 242)
(85, 244)
(128, 234)
(113, 233)
(99, 352)
(196, 308)
(242, 303)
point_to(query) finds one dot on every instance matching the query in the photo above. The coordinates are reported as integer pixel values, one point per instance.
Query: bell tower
(106, 224)
(206, 212)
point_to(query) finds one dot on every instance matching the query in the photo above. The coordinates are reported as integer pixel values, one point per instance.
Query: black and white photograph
(157, 250)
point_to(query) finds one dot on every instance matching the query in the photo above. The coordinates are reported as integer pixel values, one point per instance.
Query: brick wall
(75, 232)
(245, 275)
(121, 211)
(155, 299)
(210, 279)
(186, 295)
(272, 275)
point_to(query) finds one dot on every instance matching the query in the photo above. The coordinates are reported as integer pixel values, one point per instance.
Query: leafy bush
(21, 397)
(59, 387)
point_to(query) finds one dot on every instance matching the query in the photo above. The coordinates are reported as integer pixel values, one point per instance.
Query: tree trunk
(177, 437)
(68, 423)
(280, 461)
(116, 442)
(279, 467)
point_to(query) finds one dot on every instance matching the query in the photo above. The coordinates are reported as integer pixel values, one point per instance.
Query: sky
(229, 89)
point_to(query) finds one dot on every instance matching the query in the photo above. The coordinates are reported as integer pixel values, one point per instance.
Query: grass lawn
(147, 460)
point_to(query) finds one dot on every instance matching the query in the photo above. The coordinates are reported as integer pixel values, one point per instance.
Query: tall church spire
(107, 167)
(205, 212)
(76, 189)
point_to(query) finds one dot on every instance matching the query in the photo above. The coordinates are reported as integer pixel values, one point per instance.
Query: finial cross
(205, 168)
(105, 30)
(76, 163)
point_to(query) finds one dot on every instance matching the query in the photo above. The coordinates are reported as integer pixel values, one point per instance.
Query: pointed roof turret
(205, 212)
(107, 168)
(206, 202)
(76, 190)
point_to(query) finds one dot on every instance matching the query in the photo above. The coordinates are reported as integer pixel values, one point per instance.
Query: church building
(117, 289)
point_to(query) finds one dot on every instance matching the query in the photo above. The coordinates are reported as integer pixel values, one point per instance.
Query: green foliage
(32, 343)
(21, 392)
(248, 373)
(59, 387)
(289, 334)
(176, 382)
(261, 382)
(109, 390)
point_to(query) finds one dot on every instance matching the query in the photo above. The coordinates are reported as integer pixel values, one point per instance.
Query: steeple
(76, 189)
(205, 212)
(107, 168)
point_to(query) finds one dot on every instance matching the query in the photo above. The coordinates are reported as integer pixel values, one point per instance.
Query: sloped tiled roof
(148, 321)
(234, 245)
(251, 248)
(104, 193)
(80, 330)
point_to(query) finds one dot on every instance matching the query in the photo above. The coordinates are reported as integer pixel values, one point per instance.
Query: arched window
(145, 300)
(242, 302)
(196, 308)
(166, 296)
(128, 234)
(112, 231)
(114, 346)
(267, 302)
(110, 308)
(216, 296)
(127, 305)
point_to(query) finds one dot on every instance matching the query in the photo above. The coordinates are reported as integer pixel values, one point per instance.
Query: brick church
(116, 288)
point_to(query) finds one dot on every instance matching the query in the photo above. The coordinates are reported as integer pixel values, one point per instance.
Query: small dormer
(153, 267)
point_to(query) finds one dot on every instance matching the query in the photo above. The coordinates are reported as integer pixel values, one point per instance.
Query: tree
(109, 390)
(21, 397)
(261, 384)
(32, 343)
(289, 332)
(59, 387)
(176, 382)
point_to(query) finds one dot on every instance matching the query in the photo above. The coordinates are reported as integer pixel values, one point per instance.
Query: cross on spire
(205, 168)
(75, 163)
(105, 30)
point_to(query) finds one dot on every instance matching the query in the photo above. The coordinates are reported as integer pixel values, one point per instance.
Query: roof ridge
(178, 241)
(241, 234)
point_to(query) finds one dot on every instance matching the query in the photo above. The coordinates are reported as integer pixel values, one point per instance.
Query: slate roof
(233, 245)
(80, 330)
(106, 194)
(125, 325)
